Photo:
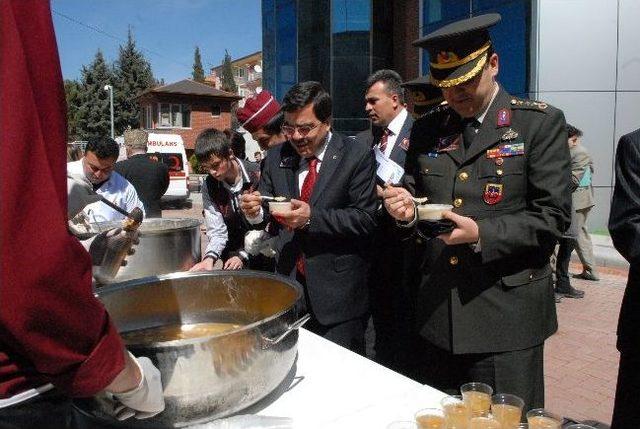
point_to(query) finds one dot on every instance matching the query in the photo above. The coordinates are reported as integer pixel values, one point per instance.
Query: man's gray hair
(392, 82)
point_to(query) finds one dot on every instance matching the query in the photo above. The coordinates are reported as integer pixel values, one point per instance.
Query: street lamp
(110, 89)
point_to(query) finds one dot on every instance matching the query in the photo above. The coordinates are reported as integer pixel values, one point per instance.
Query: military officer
(485, 301)
(424, 95)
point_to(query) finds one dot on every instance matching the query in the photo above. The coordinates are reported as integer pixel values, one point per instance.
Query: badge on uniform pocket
(492, 193)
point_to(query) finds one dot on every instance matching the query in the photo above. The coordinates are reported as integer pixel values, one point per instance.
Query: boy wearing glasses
(325, 237)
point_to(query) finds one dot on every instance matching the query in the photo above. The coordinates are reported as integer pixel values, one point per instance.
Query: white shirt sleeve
(216, 228)
(258, 219)
(132, 199)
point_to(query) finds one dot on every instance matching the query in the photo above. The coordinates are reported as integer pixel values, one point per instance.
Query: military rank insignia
(492, 193)
(503, 118)
(449, 143)
(404, 144)
(286, 162)
(505, 150)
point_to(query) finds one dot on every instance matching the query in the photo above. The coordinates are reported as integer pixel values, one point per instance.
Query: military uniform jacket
(515, 181)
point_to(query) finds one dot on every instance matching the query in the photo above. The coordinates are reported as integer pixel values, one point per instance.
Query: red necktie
(305, 195)
(384, 139)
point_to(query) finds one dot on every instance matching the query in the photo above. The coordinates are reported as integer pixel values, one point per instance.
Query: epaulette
(520, 103)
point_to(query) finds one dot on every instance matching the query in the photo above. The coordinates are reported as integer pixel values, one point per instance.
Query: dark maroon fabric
(52, 328)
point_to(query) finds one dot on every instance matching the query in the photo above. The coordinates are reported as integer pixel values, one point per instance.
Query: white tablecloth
(335, 388)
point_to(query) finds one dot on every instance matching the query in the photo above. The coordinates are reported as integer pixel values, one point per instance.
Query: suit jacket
(336, 243)
(514, 180)
(624, 226)
(582, 197)
(150, 178)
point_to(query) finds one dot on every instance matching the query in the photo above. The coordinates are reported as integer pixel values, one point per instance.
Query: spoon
(277, 199)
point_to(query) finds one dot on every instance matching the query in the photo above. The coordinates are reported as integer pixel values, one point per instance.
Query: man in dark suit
(389, 137)
(624, 226)
(150, 178)
(485, 303)
(324, 239)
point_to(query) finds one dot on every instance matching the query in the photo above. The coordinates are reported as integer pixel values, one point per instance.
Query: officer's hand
(250, 204)
(205, 265)
(466, 230)
(145, 400)
(80, 194)
(399, 203)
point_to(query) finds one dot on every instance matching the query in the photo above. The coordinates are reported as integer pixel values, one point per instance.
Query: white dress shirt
(395, 126)
(116, 189)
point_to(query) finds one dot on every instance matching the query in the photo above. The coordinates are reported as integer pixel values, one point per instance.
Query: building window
(215, 110)
(240, 72)
(148, 124)
(511, 37)
(174, 115)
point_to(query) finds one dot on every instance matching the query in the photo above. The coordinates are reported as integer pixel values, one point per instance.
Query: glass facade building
(511, 38)
(335, 42)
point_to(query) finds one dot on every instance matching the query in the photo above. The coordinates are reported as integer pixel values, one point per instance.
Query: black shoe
(586, 275)
(570, 292)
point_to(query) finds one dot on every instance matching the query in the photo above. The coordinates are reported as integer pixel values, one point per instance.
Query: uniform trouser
(584, 246)
(626, 409)
(519, 372)
(562, 263)
(348, 334)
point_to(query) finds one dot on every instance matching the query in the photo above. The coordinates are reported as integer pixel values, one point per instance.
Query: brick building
(247, 74)
(186, 108)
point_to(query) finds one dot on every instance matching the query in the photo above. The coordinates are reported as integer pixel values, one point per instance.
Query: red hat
(257, 111)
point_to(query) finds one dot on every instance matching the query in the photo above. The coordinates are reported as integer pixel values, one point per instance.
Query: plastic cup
(540, 418)
(484, 423)
(477, 396)
(432, 212)
(456, 413)
(430, 418)
(507, 409)
(276, 207)
(402, 425)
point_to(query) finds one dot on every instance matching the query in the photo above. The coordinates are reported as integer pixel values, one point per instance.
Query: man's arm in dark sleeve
(624, 218)
(548, 207)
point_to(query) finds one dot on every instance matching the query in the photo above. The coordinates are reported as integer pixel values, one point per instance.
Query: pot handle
(294, 326)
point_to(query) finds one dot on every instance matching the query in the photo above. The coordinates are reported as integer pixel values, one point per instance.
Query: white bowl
(432, 212)
(279, 206)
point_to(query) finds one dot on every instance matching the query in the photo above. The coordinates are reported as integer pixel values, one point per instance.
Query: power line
(120, 39)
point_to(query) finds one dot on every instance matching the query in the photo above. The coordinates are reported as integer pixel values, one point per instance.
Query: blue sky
(166, 31)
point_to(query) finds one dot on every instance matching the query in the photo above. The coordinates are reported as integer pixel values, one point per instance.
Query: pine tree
(133, 76)
(198, 71)
(227, 82)
(93, 119)
(72, 92)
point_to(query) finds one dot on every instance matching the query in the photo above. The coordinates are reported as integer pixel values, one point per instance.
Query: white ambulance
(169, 148)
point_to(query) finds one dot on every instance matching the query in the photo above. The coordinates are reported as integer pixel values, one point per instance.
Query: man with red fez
(261, 116)
(484, 302)
(56, 339)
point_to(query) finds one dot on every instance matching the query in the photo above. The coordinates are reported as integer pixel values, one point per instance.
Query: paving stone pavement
(581, 360)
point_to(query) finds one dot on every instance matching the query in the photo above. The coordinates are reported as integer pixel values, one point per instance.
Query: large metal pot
(216, 375)
(166, 246)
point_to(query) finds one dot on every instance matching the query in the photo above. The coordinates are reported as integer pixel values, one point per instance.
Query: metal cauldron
(166, 246)
(212, 376)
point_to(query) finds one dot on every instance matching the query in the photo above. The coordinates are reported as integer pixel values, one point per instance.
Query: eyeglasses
(303, 130)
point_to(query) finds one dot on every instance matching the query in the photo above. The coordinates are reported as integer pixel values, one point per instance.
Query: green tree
(227, 82)
(133, 76)
(198, 71)
(72, 92)
(93, 118)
